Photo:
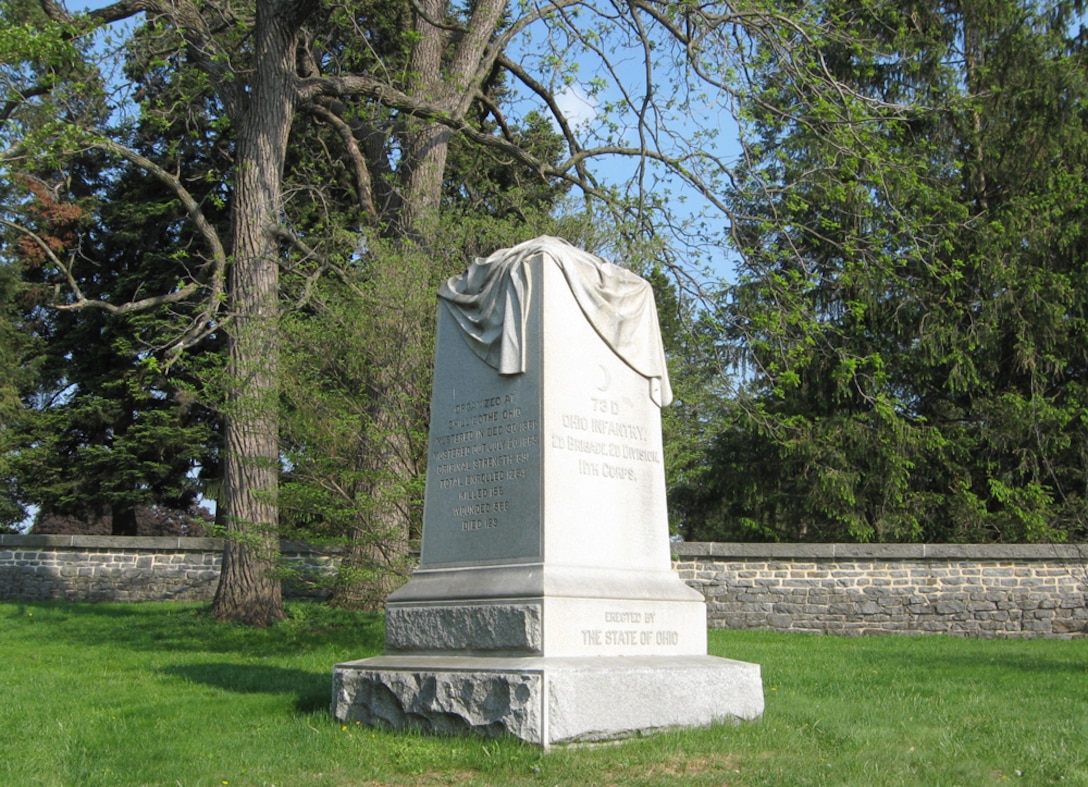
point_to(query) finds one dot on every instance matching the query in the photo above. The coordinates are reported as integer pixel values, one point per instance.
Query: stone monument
(545, 605)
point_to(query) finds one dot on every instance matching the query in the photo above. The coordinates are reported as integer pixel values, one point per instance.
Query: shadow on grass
(310, 689)
(172, 626)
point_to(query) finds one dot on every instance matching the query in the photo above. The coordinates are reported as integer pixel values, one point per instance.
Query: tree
(372, 325)
(106, 431)
(909, 315)
(15, 379)
(398, 83)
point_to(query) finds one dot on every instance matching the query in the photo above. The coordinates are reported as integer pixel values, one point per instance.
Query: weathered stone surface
(547, 701)
(969, 590)
(442, 699)
(499, 627)
(54, 568)
(95, 568)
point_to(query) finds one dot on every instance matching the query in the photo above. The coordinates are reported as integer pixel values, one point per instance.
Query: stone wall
(851, 589)
(116, 568)
(855, 589)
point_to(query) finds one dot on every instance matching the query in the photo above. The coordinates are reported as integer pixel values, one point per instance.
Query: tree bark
(450, 84)
(426, 144)
(249, 590)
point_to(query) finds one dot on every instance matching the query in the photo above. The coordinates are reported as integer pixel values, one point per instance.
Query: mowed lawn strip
(132, 694)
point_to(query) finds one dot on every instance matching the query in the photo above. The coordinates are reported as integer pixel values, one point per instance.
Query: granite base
(547, 700)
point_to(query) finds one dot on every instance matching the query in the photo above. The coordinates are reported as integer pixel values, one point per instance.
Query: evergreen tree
(909, 319)
(109, 427)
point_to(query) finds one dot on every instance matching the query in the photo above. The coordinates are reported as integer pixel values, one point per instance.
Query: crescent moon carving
(606, 379)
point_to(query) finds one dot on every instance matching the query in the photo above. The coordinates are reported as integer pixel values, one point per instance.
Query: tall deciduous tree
(355, 455)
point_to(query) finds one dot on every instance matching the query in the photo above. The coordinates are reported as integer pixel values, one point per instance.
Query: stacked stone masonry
(114, 568)
(845, 589)
(850, 589)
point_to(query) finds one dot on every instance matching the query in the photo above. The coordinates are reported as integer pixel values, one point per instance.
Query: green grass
(161, 694)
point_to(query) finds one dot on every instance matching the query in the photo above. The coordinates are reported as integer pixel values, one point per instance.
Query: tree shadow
(171, 626)
(310, 689)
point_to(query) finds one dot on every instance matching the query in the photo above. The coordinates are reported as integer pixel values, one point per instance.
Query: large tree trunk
(446, 79)
(249, 590)
(377, 559)
(426, 145)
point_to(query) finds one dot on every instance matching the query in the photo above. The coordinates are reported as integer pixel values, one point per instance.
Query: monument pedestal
(545, 605)
(548, 700)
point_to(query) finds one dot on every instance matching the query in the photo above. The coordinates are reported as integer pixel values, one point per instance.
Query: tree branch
(81, 300)
(192, 208)
(212, 283)
(363, 182)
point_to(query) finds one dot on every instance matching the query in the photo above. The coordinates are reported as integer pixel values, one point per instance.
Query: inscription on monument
(608, 446)
(486, 447)
(629, 630)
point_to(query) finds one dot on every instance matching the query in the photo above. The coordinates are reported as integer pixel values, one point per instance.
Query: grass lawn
(161, 694)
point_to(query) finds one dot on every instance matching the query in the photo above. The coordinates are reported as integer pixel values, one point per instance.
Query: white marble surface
(546, 487)
(482, 502)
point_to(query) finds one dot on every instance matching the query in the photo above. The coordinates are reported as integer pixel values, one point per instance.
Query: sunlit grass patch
(162, 694)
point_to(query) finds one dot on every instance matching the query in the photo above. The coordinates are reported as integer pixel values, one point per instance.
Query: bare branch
(300, 246)
(217, 278)
(363, 181)
(82, 301)
(433, 21)
(546, 96)
(32, 92)
(211, 284)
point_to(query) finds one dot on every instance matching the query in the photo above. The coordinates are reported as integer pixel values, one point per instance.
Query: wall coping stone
(168, 543)
(680, 549)
(151, 543)
(696, 549)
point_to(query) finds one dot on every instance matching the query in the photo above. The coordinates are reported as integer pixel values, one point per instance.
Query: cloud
(575, 105)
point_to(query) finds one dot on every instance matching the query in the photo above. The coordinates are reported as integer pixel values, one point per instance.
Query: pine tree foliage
(910, 317)
(108, 427)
